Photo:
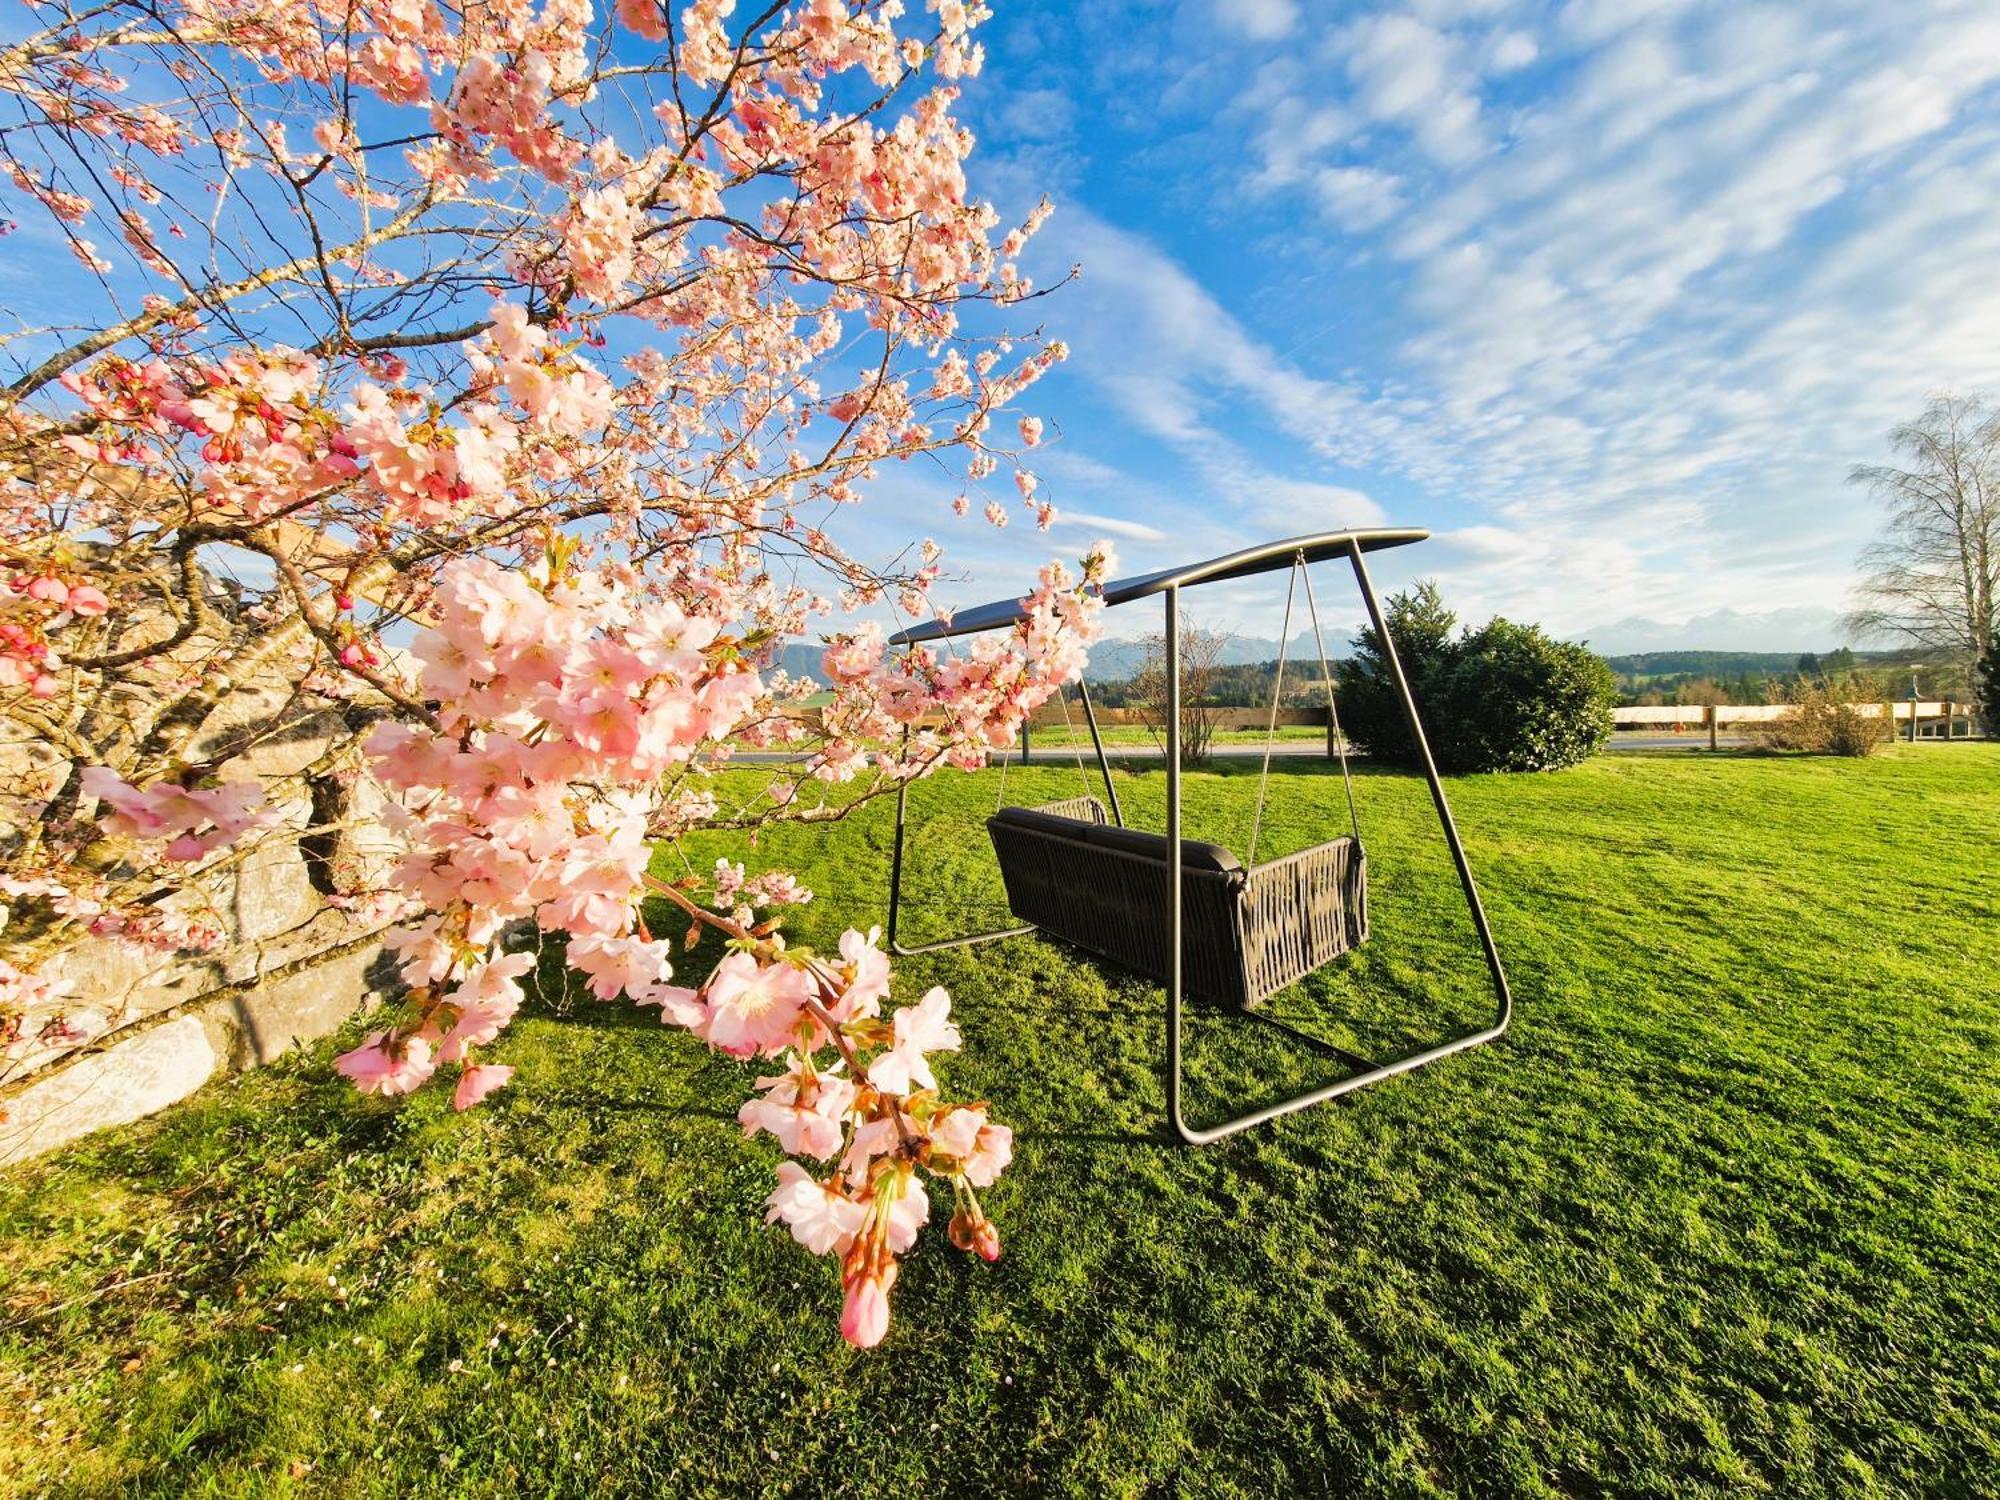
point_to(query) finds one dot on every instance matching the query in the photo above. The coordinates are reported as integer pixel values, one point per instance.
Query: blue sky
(1608, 293)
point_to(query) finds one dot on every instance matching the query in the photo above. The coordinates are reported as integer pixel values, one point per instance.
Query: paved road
(1046, 754)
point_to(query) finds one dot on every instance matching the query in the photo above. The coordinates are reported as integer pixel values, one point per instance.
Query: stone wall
(300, 953)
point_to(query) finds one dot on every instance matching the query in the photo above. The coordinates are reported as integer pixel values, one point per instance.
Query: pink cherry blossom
(755, 1007)
(620, 965)
(821, 1219)
(864, 1312)
(474, 1084)
(805, 1109)
(387, 1063)
(865, 969)
(908, 1213)
(955, 1132)
(679, 1006)
(919, 1029)
(548, 493)
(991, 1153)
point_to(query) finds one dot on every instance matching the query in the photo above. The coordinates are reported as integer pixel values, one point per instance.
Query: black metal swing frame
(1296, 552)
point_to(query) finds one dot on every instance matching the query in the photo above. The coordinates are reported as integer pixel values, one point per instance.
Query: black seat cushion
(1195, 855)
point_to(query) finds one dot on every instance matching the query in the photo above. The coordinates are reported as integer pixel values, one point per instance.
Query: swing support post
(972, 939)
(1465, 1042)
(1295, 553)
(1097, 744)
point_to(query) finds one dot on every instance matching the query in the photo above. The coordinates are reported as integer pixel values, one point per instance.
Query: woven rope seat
(1249, 933)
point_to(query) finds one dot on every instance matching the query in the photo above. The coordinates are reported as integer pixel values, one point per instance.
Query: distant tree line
(1642, 678)
(1931, 582)
(1752, 677)
(1234, 685)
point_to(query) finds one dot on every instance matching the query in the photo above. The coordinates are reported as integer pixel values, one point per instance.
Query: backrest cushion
(1195, 855)
(1052, 824)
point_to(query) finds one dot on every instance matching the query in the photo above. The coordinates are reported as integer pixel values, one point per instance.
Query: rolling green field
(1721, 1215)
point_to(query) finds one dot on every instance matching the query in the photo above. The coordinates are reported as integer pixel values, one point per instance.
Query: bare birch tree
(1933, 578)
(1201, 658)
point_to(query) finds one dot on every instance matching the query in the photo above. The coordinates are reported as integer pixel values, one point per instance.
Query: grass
(1717, 1217)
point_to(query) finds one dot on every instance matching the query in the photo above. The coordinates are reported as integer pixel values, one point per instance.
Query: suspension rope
(1277, 690)
(1075, 744)
(1332, 709)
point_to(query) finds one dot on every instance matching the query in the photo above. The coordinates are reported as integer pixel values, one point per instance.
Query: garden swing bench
(1186, 913)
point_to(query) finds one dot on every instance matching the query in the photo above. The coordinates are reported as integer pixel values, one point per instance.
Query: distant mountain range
(1798, 629)
(1779, 631)
(1119, 661)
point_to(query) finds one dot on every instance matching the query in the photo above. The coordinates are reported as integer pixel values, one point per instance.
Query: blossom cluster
(37, 604)
(34, 1014)
(193, 821)
(399, 404)
(564, 694)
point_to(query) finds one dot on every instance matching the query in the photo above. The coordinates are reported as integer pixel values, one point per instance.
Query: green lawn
(1718, 1216)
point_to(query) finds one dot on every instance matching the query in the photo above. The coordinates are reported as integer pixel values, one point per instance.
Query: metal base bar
(1202, 1136)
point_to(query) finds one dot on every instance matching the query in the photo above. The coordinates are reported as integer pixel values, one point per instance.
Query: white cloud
(1116, 526)
(1598, 20)
(1186, 373)
(1631, 315)
(1036, 115)
(1295, 133)
(1511, 51)
(1413, 75)
(1064, 462)
(1357, 198)
(1258, 20)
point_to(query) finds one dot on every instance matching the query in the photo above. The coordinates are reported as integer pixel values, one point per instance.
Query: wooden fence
(1926, 718)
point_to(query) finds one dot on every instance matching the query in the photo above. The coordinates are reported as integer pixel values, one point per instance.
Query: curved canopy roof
(1266, 557)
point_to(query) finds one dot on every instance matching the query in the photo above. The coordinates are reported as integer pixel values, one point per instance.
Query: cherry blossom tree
(492, 372)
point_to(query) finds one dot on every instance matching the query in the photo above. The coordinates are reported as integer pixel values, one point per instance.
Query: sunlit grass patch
(1716, 1217)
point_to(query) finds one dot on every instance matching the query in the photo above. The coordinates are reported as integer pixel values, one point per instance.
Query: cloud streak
(1615, 290)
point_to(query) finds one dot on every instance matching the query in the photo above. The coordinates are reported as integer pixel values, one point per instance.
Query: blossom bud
(864, 1317)
(972, 1231)
(344, 602)
(986, 1240)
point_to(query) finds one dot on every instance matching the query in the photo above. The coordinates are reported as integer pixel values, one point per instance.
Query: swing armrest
(1302, 911)
(1084, 809)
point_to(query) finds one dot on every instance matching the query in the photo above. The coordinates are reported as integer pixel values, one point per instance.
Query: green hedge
(1504, 697)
